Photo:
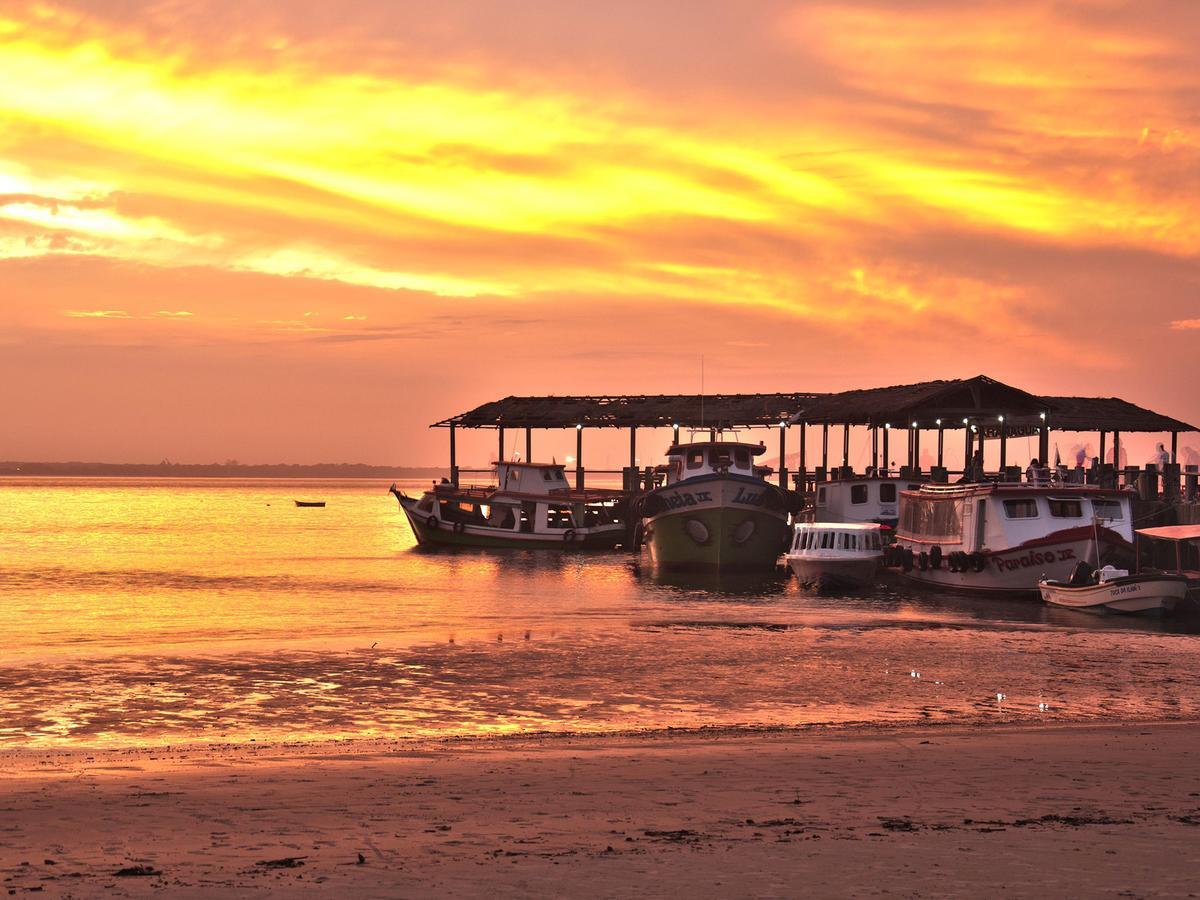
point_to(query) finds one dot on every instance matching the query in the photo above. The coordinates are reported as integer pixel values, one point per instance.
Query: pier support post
(1191, 480)
(1103, 437)
(887, 461)
(968, 448)
(1175, 446)
(912, 433)
(1044, 439)
(875, 449)
(1003, 445)
(675, 435)
(825, 447)
(579, 457)
(916, 449)
(528, 445)
(1117, 448)
(783, 455)
(846, 446)
(803, 467)
(453, 459)
(500, 441)
(941, 443)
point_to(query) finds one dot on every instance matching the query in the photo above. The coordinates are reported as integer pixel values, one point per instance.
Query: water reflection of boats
(530, 506)
(716, 510)
(721, 585)
(836, 556)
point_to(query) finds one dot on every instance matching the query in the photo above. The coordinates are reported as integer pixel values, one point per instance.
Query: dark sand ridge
(1082, 811)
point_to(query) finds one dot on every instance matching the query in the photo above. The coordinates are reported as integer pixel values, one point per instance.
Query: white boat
(530, 506)
(1006, 537)
(1114, 590)
(836, 556)
(861, 498)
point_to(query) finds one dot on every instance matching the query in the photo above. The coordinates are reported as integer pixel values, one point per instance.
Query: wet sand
(1104, 811)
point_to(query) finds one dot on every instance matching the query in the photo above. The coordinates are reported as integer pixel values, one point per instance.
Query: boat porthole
(744, 532)
(697, 531)
(432, 523)
(459, 527)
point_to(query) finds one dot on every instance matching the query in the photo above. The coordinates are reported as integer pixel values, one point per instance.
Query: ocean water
(156, 611)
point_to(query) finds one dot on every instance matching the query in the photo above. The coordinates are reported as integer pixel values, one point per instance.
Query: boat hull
(429, 530)
(1020, 569)
(1135, 594)
(718, 522)
(835, 573)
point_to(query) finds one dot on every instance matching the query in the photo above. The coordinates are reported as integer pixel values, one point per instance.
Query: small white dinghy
(1114, 590)
(834, 556)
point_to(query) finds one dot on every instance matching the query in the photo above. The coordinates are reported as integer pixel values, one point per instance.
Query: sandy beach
(1084, 810)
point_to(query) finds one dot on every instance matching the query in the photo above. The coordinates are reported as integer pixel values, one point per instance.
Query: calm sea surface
(148, 611)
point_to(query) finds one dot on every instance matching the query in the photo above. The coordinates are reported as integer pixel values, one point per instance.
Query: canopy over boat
(1172, 532)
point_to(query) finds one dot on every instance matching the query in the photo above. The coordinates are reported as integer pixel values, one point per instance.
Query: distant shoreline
(215, 470)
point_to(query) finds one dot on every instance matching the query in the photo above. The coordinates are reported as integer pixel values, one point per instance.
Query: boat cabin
(686, 461)
(979, 517)
(860, 499)
(844, 537)
(531, 478)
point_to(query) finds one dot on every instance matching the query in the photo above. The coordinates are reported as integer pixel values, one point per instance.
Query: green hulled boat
(716, 510)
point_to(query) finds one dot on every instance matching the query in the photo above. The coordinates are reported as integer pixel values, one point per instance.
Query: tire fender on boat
(569, 536)
(432, 523)
(923, 560)
(459, 527)
(978, 561)
(935, 557)
(907, 559)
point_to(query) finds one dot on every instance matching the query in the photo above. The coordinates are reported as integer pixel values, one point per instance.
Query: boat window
(858, 493)
(1025, 508)
(502, 517)
(932, 517)
(695, 459)
(527, 510)
(719, 456)
(741, 456)
(559, 517)
(1066, 509)
(821, 495)
(547, 474)
(514, 474)
(827, 540)
(1107, 509)
(887, 493)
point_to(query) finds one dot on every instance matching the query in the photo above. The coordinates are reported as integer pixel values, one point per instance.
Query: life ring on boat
(459, 527)
(978, 561)
(923, 560)
(432, 523)
(935, 557)
(569, 536)
(907, 560)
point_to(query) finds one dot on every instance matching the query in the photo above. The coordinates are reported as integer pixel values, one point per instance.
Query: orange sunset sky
(295, 230)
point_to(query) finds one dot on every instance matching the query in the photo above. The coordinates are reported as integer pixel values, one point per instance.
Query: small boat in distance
(832, 556)
(531, 506)
(1114, 590)
(716, 510)
(309, 502)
